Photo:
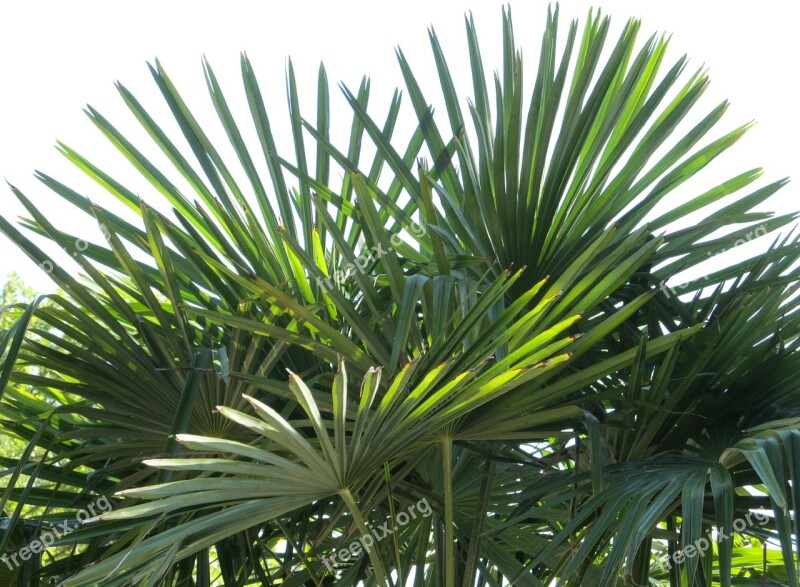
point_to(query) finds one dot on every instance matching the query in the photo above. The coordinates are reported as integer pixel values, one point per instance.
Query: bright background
(58, 56)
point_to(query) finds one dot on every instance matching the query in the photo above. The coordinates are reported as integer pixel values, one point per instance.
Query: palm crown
(475, 321)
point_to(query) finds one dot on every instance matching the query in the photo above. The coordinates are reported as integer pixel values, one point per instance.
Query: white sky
(58, 56)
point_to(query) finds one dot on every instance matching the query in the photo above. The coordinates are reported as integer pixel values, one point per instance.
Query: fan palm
(263, 365)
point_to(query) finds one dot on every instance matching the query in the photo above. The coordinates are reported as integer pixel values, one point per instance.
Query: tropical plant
(263, 364)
